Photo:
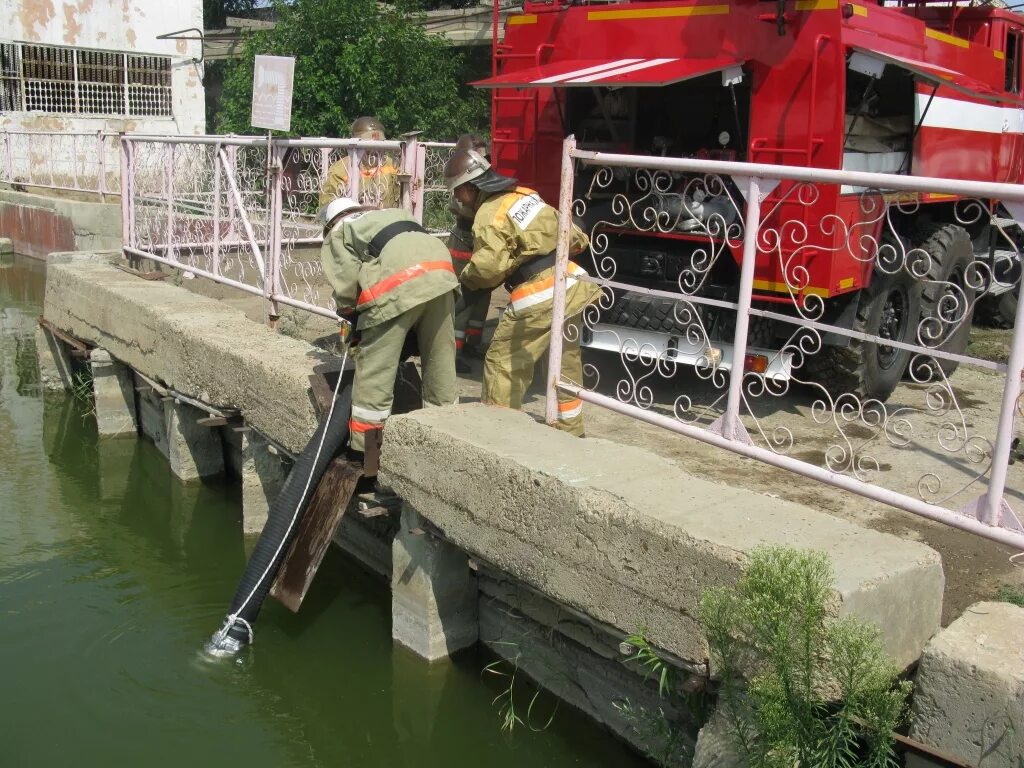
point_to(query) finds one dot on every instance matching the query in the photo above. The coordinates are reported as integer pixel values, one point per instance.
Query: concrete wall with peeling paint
(114, 25)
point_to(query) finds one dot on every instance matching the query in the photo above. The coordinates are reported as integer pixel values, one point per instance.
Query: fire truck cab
(907, 87)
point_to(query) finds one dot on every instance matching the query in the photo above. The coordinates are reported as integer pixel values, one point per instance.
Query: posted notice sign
(272, 92)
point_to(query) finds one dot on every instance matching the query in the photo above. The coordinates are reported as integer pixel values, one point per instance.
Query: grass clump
(1008, 594)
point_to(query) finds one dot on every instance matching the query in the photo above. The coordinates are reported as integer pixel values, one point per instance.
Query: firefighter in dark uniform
(390, 278)
(378, 183)
(472, 306)
(514, 239)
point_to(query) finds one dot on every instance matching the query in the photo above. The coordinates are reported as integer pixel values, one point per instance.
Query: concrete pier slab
(629, 538)
(193, 451)
(56, 371)
(150, 410)
(263, 475)
(969, 692)
(433, 593)
(114, 395)
(196, 345)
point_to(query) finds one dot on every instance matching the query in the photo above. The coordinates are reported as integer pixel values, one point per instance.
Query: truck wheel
(890, 307)
(946, 288)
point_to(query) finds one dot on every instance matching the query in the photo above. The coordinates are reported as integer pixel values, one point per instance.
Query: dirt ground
(920, 446)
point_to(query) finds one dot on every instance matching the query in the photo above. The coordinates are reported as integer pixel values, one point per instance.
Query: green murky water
(112, 574)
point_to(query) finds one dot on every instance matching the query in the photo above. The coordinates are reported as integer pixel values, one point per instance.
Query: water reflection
(112, 574)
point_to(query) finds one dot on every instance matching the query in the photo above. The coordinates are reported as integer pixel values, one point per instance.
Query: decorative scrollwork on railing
(877, 276)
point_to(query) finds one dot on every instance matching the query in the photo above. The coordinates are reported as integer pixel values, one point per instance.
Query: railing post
(354, 170)
(229, 162)
(9, 154)
(730, 420)
(992, 506)
(216, 208)
(413, 161)
(565, 198)
(169, 170)
(101, 165)
(126, 196)
(272, 281)
(420, 182)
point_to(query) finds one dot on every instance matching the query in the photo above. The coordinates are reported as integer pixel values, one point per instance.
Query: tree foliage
(353, 58)
(800, 688)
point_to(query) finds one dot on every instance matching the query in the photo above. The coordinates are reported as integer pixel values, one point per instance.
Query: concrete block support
(263, 475)
(193, 451)
(55, 364)
(629, 538)
(433, 593)
(969, 693)
(114, 395)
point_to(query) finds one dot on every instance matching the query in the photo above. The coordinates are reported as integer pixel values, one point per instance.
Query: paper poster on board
(272, 79)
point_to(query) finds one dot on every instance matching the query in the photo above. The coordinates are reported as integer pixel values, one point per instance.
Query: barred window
(83, 81)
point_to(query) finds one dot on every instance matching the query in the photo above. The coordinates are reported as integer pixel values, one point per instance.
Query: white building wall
(128, 26)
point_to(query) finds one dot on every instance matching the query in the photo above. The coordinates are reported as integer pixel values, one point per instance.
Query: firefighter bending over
(471, 307)
(378, 183)
(395, 279)
(514, 238)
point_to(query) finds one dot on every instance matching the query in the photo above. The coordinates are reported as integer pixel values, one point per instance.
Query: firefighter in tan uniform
(472, 305)
(393, 278)
(514, 239)
(378, 183)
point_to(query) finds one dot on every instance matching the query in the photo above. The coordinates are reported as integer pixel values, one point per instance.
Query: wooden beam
(68, 339)
(326, 508)
(212, 421)
(143, 275)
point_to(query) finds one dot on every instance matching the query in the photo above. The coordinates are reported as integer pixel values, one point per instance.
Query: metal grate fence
(928, 448)
(83, 81)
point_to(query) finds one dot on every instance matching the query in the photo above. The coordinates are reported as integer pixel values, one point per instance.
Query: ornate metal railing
(753, 342)
(242, 210)
(76, 162)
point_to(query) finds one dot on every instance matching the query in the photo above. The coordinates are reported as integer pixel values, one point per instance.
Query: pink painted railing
(956, 452)
(241, 211)
(74, 162)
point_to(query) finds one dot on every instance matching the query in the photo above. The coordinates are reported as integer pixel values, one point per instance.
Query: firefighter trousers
(517, 346)
(470, 316)
(378, 357)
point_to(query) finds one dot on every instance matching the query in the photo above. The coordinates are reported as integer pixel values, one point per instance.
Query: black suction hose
(286, 512)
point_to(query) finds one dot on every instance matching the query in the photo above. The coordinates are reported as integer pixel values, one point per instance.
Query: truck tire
(889, 307)
(644, 313)
(951, 253)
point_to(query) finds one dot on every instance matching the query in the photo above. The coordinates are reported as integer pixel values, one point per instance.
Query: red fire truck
(929, 89)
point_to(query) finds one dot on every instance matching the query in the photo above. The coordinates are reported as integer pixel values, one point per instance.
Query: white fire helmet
(337, 207)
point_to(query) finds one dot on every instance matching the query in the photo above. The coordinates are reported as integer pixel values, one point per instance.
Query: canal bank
(547, 549)
(112, 574)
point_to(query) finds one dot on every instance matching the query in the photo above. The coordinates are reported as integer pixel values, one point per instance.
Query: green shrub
(799, 687)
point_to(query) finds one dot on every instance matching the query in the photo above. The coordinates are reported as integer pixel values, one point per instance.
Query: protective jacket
(378, 183)
(411, 269)
(513, 228)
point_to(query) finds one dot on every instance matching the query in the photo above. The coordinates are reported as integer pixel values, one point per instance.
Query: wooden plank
(143, 275)
(212, 421)
(71, 341)
(371, 512)
(326, 508)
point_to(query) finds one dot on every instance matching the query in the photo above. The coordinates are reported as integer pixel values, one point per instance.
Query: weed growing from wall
(798, 686)
(669, 742)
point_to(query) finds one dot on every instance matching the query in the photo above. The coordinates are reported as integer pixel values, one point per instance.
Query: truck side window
(1013, 45)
